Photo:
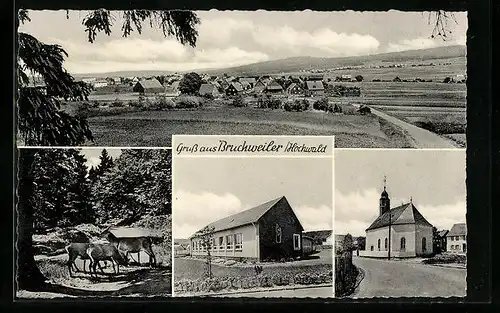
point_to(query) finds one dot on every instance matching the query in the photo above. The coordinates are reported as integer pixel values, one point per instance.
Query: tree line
(67, 193)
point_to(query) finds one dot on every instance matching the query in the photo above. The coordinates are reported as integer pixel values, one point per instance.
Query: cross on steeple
(411, 199)
(385, 181)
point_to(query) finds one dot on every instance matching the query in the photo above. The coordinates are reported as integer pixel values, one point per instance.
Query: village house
(294, 89)
(234, 88)
(400, 232)
(274, 88)
(89, 80)
(270, 231)
(151, 86)
(346, 77)
(100, 83)
(314, 88)
(259, 86)
(250, 80)
(440, 241)
(245, 85)
(456, 239)
(208, 90)
(322, 238)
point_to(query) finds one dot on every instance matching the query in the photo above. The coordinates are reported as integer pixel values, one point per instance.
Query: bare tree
(206, 237)
(440, 19)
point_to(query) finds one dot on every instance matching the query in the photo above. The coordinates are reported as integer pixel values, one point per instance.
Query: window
(378, 245)
(296, 242)
(278, 233)
(452, 238)
(193, 246)
(424, 244)
(221, 243)
(371, 248)
(457, 237)
(238, 242)
(385, 243)
(463, 237)
(403, 244)
(229, 242)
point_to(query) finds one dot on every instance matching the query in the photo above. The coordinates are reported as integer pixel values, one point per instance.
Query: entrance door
(464, 247)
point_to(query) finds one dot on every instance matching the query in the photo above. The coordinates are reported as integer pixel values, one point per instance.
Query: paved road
(385, 278)
(422, 138)
(321, 292)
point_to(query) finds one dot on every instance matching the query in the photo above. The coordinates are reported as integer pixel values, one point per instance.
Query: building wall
(397, 232)
(250, 242)
(451, 244)
(283, 215)
(408, 232)
(423, 232)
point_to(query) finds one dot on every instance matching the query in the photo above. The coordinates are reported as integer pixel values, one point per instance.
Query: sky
(232, 38)
(208, 189)
(434, 180)
(92, 155)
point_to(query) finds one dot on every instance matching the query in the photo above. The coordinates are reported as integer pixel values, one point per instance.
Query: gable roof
(245, 217)
(293, 85)
(150, 83)
(207, 89)
(236, 86)
(245, 84)
(314, 85)
(459, 229)
(320, 235)
(250, 80)
(443, 233)
(274, 85)
(133, 232)
(411, 216)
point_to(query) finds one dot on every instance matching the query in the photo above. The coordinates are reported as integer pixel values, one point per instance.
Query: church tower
(385, 202)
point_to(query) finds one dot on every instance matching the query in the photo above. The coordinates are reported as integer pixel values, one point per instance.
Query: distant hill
(125, 74)
(305, 63)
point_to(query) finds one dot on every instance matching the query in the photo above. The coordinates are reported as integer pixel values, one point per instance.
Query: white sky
(207, 189)
(231, 38)
(434, 179)
(92, 155)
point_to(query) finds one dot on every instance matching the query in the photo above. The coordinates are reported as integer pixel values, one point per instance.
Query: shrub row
(268, 102)
(323, 105)
(217, 284)
(296, 105)
(445, 258)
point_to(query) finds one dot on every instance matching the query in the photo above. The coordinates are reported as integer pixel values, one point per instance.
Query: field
(155, 128)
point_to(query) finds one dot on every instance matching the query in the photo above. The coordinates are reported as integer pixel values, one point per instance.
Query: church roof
(404, 214)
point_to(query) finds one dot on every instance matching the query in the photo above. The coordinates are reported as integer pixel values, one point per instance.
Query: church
(400, 232)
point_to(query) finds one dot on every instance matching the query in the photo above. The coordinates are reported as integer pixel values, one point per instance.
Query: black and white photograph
(253, 227)
(94, 222)
(134, 78)
(400, 223)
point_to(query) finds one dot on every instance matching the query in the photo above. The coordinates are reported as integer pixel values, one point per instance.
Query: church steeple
(385, 202)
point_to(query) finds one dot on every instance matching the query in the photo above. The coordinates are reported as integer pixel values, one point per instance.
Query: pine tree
(40, 120)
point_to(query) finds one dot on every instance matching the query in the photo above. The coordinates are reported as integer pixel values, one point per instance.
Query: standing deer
(132, 245)
(105, 252)
(78, 250)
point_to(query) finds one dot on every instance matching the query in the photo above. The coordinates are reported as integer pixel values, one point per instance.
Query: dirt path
(421, 138)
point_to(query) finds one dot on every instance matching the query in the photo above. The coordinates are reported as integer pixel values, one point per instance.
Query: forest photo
(94, 222)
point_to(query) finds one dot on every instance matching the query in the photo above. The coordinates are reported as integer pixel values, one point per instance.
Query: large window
(221, 243)
(378, 245)
(424, 244)
(385, 244)
(278, 233)
(296, 242)
(238, 242)
(403, 244)
(229, 242)
(452, 238)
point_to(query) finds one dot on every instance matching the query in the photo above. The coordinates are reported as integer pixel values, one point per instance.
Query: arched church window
(385, 243)
(424, 244)
(403, 244)
(378, 245)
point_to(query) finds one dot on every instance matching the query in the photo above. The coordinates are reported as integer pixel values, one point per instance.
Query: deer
(132, 245)
(78, 250)
(105, 252)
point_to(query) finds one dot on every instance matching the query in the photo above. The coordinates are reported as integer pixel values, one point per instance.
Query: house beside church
(400, 232)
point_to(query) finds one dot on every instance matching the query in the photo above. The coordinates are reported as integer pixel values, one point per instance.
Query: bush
(188, 102)
(268, 102)
(446, 258)
(117, 103)
(83, 109)
(296, 106)
(321, 104)
(238, 102)
(162, 103)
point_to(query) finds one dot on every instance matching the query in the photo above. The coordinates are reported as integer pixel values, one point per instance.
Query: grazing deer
(105, 252)
(78, 250)
(132, 245)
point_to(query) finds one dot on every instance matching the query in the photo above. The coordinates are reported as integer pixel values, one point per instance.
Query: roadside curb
(449, 266)
(243, 291)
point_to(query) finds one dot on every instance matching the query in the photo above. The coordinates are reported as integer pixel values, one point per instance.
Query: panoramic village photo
(135, 78)
(93, 222)
(400, 228)
(262, 228)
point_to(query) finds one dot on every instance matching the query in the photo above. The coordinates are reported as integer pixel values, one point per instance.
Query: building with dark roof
(234, 88)
(274, 87)
(456, 239)
(149, 86)
(399, 232)
(315, 88)
(208, 90)
(270, 231)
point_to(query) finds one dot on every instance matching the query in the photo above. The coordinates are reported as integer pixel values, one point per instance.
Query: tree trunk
(29, 276)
